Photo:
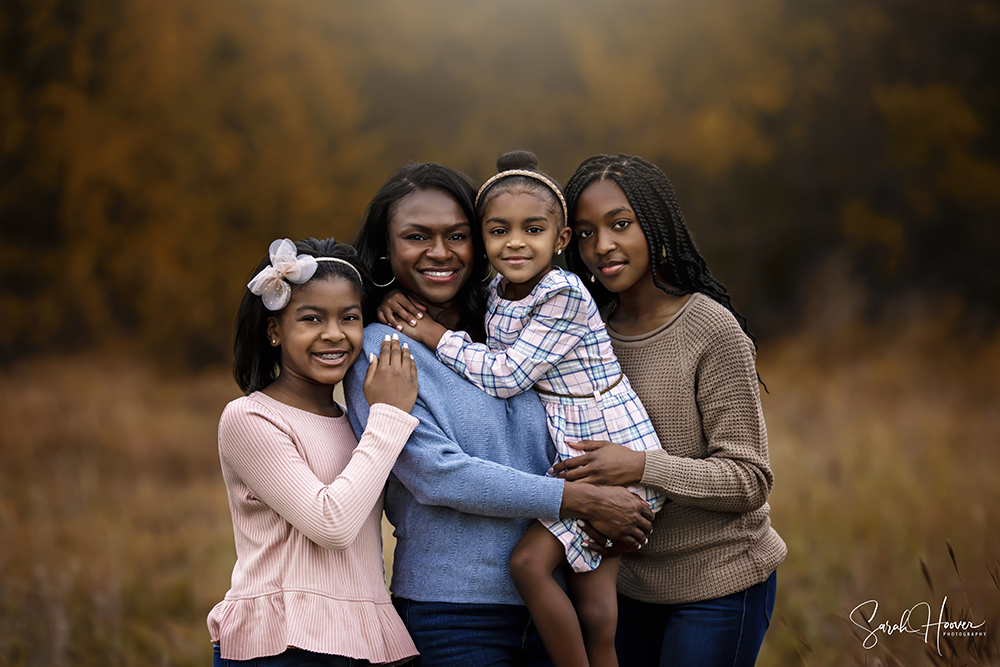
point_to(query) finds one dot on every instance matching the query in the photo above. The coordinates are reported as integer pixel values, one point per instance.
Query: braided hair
(673, 254)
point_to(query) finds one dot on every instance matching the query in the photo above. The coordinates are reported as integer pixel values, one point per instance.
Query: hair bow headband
(273, 283)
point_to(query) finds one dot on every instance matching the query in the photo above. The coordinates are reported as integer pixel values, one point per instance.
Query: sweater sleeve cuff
(390, 424)
(550, 497)
(656, 471)
(450, 345)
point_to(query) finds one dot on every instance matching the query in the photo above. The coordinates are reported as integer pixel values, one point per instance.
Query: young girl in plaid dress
(544, 332)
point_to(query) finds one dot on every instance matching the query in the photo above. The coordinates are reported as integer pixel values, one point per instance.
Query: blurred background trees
(838, 161)
(832, 152)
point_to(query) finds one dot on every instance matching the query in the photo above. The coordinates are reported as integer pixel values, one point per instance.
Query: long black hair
(372, 241)
(672, 252)
(256, 362)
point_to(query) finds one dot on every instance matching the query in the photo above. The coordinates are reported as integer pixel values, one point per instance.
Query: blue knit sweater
(469, 474)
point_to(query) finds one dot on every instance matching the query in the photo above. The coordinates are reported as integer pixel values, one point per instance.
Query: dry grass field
(885, 451)
(116, 538)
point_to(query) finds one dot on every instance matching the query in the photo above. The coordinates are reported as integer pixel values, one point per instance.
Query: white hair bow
(272, 284)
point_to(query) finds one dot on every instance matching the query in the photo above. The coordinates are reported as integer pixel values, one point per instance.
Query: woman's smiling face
(430, 245)
(610, 240)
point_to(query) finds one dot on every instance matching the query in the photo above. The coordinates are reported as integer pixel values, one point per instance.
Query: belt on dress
(596, 393)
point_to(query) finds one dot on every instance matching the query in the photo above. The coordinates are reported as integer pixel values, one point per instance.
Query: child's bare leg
(535, 557)
(596, 601)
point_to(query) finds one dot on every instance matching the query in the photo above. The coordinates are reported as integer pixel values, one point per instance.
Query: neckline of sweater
(658, 330)
(273, 402)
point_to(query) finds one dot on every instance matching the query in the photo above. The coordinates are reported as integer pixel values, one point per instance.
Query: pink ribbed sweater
(306, 500)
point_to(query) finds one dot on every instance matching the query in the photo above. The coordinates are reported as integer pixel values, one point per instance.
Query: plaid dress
(554, 341)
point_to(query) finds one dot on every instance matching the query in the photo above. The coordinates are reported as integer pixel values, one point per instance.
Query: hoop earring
(393, 276)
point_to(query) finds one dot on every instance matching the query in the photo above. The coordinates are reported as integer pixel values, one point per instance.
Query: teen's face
(430, 245)
(609, 237)
(320, 331)
(522, 233)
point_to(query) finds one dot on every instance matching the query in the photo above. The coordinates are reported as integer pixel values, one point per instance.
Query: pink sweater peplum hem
(267, 624)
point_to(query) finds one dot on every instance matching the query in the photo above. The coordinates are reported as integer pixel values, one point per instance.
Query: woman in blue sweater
(472, 476)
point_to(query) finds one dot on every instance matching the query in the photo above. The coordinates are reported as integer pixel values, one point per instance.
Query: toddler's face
(521, 233)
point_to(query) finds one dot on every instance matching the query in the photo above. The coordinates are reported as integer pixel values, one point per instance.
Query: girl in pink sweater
(306, 495)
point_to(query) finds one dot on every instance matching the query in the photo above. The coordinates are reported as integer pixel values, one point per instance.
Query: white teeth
(438, 274)
(331, 356)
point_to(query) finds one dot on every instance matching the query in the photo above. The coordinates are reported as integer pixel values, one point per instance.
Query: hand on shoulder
(392, 376)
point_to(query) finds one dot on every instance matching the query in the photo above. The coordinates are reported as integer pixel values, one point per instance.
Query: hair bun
(517, 160)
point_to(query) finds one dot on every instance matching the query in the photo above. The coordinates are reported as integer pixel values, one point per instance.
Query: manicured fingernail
(420, 316)
(371, 357)
(388, 337)
(549, 472)
(580, 522)
(411, 357)
(406, 345)
(585, 545)
(639, 547)
(413, 323)
(395, 336)
(399, 327)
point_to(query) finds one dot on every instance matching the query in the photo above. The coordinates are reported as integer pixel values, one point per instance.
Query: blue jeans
(291, 657)
(726, 631)
(471, 635)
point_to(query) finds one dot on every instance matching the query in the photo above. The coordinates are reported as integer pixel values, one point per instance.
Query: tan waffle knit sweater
(697, 380)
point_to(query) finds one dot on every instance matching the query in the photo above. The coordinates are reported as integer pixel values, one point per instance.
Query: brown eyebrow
(610, 214)
(621, 209)
(306, 306)
(537, 218)
(413, 226)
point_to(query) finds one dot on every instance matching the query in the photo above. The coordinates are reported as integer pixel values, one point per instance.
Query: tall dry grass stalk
(116, 537)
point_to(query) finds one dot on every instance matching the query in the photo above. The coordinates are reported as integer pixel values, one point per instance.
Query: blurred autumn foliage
(150, 150)
(838, 161)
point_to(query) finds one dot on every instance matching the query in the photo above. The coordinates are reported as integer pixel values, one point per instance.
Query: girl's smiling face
(611, 242)
(320, 332)
(430, 245)
(522, 232)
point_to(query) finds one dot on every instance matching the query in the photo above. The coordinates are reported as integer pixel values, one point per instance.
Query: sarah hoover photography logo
(917, 620)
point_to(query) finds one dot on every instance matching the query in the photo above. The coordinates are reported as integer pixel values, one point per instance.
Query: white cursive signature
(904, 625)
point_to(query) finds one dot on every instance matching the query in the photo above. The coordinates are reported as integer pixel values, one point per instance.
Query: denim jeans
(291, 657)
(471, 635)
(726, 631)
